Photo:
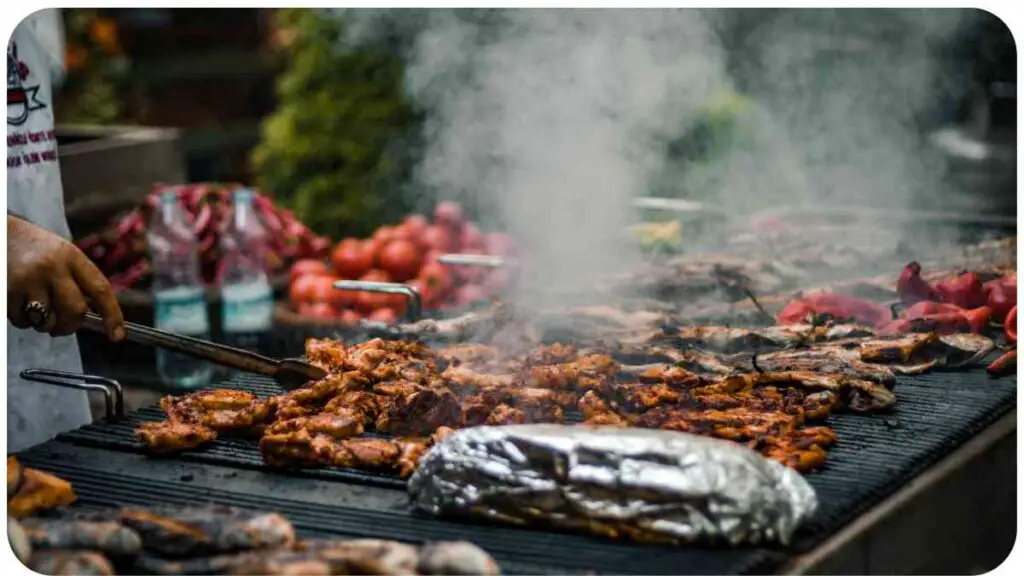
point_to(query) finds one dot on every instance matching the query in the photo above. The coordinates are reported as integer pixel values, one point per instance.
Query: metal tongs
(289, 373)
(113, 395)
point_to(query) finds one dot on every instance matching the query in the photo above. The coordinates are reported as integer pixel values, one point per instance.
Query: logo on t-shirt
(22, 100)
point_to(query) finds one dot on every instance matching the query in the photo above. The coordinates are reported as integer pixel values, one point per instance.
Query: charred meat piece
(15, 476)
(820, 360)
(327, 354)
(469, 354)
(504, 414)
(365, 453)
(70, 563)
(340, 424)
(642, 397)
(111, 538)
(420, 413)
(187, 532)
(410, 450)
(365, 404)
(467, 378)
(173, 436)
(221, 410)
(326, 388)
(397, 389)
(297, 449)
(739, 424)
(672, 376)
(591, 404)
(609, 419)
(39, 491)
(857, 395)
(819, 405)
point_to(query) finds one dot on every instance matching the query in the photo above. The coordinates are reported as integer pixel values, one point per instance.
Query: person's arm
(46, 270)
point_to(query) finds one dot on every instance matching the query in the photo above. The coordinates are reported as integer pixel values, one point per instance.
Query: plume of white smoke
(556, 119)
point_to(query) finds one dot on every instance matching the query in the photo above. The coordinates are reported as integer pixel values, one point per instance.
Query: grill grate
(519, 551)
(875, 455)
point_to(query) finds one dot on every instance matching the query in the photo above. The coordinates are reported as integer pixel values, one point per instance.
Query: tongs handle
(482, 260)
(113, 394)
(194, 347)
(413, 309)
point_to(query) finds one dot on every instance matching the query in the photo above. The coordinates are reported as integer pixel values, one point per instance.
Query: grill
(875, 455)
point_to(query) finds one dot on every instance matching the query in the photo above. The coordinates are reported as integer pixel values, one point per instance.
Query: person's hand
(50, 283)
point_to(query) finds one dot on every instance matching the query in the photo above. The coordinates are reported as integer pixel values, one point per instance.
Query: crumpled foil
(637, 484)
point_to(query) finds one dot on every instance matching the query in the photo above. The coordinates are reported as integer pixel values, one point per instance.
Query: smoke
(552, 121)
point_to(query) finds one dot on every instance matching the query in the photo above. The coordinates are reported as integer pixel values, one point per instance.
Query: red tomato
(469, 294)
(437, 278)
(431, 256)
(499, 244)
(404, 232)
(301, 290)
(349, 318)
(438, 238)
(384, 234)
(471, 238)
(352, 259)
(367, 302)
(322, 289)
(385, 315)
(401, 259)
(318, 310)
(448, 214)
(303, 267)
(428, 296)
(417, 224)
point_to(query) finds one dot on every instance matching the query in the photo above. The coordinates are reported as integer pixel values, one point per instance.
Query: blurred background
(276, 99)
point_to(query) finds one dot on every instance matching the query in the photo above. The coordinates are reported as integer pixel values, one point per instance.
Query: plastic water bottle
(178, 294)
(246, 297)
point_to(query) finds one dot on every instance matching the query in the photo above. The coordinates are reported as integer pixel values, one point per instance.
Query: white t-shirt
(37, 412)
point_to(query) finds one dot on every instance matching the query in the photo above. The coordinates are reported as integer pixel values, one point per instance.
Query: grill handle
(412, 311)
(113, 394)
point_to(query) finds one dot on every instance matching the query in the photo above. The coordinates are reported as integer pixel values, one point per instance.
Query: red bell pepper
(1010, 326)
(911, 287)
(796, 312)
(965, 290)
(1005, 364)
(943, 323)
(1001, 296)
(928, 308)
(978, 318)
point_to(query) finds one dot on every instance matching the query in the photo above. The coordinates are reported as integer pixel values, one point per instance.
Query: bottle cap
(169, 197)
(242, 195)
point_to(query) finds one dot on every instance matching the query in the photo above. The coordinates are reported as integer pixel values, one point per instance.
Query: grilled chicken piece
(327, 354)
(504, 414)
(455, 558)
(419, 413)
(15, 476)
(740, 424)
(410, 451)
(220, 410)
(820, 360)
(172, 436)
(326, 388)
(397, 389)
(189, 532)
(296, 449)
(818, 405)
(364, 404)
(641, 397)
(591, 404)
(440, 434)
(339, 424)
(467, 378)
(38, 491)
(365, 453)
(918, 353)
(469, 354)
(109, 537)
(674, 377)
(856, 395)
(70, 563)
(610, 419)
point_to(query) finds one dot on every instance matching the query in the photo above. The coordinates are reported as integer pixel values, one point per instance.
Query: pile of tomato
(406, 253)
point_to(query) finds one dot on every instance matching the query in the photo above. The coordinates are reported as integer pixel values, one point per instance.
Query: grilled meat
(366, 453)
(410, 450)
(109, 537)
(70, 563)
(420, 412)
(338, 424)
(300, 448)
(364, 404)
(173, 436)
(326, 388)
(916, 353)
(819, 360)
(38, 491)
(504, 414)
(220, 410)
(187, 532)
(455, 558)
(15, 476)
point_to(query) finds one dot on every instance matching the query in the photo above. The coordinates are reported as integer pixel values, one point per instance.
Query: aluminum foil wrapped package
(643, 485)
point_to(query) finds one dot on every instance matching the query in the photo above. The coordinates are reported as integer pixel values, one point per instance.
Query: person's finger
(16, 310)
(96, 287)
(69, 306)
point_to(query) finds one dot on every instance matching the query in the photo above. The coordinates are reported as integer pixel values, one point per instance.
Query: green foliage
(327, 151)
(95, 69)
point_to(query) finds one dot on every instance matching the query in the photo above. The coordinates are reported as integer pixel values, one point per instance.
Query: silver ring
(38, 313)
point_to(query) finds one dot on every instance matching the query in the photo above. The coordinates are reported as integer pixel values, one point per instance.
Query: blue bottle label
(247, 307)
(182, 311)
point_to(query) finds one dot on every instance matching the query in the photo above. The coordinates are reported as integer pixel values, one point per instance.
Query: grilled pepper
(1001, 296)
(1010, 326)
(978, 318)
(912, 288)
(837, 306)
(965, 290)
(943, 323)
(1005, 364)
